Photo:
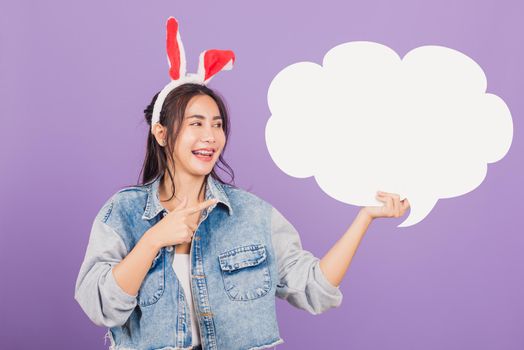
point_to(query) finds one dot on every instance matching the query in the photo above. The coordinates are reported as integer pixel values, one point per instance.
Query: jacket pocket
(153, 285)
(245, 272)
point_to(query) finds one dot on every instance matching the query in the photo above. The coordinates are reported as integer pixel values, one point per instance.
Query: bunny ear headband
(210, 63)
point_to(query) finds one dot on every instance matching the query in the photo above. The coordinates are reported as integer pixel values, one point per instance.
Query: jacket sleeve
(301, 281)
(96, 290)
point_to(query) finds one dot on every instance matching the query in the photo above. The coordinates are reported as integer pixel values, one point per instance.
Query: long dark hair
(171, 116)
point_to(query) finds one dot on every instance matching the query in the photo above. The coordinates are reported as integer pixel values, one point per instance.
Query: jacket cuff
(325, 284)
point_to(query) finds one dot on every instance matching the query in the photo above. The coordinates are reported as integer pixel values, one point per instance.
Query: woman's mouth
(204, 155)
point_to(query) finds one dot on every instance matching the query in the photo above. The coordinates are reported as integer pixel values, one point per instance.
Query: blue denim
(244, 253)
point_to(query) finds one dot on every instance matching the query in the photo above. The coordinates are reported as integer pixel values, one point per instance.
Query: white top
(181, 267)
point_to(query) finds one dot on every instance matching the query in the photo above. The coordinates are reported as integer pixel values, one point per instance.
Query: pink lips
(203, 157)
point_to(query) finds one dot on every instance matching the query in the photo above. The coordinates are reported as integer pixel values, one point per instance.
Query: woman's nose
(208, 136)
(208, 139)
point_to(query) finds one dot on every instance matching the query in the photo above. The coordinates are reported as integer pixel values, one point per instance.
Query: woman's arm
(96, 290)
(337, 260)
(109, 297)
(131, 271)
(175, 228)
(300, 279)
(308, 282)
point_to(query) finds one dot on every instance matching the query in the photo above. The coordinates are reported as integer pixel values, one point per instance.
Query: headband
(210, 63)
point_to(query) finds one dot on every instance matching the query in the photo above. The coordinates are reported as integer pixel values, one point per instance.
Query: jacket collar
(214, 189)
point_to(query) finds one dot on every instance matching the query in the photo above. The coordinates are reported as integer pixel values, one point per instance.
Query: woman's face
(201, 138)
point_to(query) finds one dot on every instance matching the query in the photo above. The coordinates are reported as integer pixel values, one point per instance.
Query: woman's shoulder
(241, 197)
(124, 201)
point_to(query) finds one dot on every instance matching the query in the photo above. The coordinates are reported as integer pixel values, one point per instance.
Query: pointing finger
(201, 206)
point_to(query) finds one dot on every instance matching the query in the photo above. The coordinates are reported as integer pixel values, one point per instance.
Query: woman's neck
(185, 185)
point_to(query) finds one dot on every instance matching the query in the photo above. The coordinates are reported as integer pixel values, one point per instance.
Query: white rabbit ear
(213, 61)
(175, 50)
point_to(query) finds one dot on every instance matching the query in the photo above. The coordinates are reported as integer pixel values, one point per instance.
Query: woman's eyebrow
(198, 116)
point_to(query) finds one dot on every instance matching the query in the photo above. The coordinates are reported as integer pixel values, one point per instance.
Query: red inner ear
(173, 50)
(215, 60)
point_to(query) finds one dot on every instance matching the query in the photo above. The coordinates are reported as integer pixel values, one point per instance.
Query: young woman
(187, 261)
(233, 252)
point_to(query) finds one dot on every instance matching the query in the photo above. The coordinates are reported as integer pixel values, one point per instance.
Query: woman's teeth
(203, 153)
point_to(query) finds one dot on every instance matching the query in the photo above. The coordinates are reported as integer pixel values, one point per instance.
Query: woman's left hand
(393, 207)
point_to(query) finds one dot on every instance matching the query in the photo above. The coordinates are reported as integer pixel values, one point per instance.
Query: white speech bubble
(366, 120)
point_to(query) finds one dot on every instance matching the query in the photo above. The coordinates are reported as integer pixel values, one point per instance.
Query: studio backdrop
(329, 102)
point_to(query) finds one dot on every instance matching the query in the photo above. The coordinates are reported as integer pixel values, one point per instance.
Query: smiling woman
(184, 260)
(205, 154)
(191, 137)
(185, 243)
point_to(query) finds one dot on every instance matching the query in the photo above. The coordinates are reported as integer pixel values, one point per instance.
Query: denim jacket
(243, 254)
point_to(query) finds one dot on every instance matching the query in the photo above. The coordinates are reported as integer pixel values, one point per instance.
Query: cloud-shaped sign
(367, 120)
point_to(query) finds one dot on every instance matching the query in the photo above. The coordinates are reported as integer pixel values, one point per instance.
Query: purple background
(75, 77)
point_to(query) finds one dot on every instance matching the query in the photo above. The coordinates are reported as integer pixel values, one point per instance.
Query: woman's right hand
(177, 227)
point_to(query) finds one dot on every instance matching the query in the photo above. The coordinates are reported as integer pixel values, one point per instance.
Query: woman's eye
(219, 125)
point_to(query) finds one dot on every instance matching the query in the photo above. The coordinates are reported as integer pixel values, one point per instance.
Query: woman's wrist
(150, 240)
(363, 213)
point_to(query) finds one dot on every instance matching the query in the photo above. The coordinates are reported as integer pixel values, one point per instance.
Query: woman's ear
(160, 134)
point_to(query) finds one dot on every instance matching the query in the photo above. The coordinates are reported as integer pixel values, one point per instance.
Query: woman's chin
(203, 168)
